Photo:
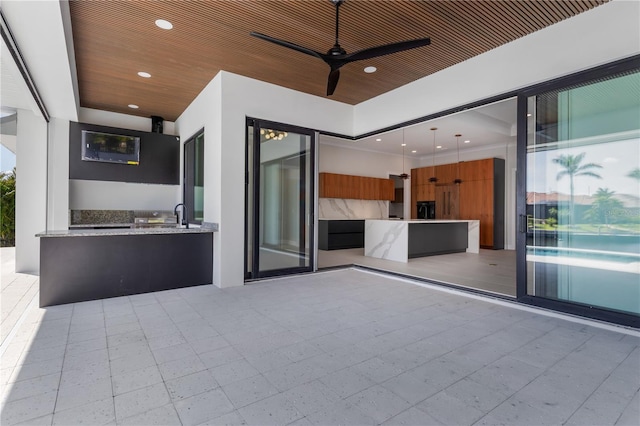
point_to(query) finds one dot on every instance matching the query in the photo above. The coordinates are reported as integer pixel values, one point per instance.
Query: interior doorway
(396, 206)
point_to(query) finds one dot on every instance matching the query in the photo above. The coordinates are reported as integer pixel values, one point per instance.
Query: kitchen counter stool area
(82, 265)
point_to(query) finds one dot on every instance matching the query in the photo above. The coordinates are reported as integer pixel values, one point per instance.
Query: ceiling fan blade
(387, 49)
(334, 76)
(287, 44)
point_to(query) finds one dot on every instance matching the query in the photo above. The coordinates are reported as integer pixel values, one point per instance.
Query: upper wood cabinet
(481, 194)
(334, 185)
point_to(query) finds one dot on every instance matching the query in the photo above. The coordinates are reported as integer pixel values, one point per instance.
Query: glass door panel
(279, 201)
(583, 194)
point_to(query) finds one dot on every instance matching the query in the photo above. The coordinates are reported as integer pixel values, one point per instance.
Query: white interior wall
(31, 189)
(352, 161)
(604, 34)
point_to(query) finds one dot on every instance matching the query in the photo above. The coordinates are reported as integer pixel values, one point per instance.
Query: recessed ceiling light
(133, 106)
(144, 74)
(414, 151)
(529, 115)
(467, 141)
(370, 70)
(404, 144)
(378, 140)
(439, 146)
(165, 25)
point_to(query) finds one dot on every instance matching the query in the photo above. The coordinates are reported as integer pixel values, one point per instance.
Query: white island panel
(386, 239)
(389, 239)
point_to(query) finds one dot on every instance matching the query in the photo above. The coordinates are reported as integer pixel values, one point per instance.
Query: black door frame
(255, 272)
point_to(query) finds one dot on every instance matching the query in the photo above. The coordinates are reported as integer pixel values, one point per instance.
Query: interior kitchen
(425, 199)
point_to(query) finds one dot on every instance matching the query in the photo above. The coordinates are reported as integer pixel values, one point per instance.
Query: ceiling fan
(337, 57)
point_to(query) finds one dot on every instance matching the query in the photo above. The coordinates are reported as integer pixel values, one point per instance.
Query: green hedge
(8, 209)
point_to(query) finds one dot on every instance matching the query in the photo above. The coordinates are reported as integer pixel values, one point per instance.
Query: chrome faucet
(185, 222)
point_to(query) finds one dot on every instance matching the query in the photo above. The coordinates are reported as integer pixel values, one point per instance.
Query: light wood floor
(491, 270)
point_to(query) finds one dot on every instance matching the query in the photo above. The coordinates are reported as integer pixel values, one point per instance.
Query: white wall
(601, 35)
(103, 195)
(31, 189)
(222, 108)
(58, 175)
(124, 121)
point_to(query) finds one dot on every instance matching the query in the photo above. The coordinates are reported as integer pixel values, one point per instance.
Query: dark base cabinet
(340, 234)
(81, 268)
(430, 239)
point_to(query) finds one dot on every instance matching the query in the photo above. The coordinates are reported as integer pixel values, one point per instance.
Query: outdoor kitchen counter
(124, 231)
(89, 264)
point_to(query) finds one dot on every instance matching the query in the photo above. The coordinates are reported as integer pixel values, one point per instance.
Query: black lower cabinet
(340, 234)
(81, 268)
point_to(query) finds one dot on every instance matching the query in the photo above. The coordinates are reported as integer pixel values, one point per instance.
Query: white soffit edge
(45, 51)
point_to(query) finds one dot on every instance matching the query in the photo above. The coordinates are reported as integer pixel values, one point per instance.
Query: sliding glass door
(279, 199)
(582, 217)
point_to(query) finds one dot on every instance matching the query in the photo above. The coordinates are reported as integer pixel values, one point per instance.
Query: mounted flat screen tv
(110, 148)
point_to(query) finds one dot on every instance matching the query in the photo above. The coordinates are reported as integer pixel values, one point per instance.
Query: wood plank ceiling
(115, 39)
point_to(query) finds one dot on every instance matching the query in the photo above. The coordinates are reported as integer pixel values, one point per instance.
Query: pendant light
(404, 176)
(457, 180)
(433, 179)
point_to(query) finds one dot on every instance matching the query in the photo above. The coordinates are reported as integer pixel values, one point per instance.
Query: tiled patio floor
(340, 347)
(16, 291)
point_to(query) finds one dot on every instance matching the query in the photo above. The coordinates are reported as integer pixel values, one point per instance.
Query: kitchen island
(401, 240)
(88, 264)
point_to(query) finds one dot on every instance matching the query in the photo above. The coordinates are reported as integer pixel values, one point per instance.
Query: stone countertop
(426, 220)
(355, 218)
(101, 225)
(126, 231)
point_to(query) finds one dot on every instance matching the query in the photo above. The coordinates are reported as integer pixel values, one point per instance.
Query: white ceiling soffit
(45, 51)
(14, 92)
(484, 126)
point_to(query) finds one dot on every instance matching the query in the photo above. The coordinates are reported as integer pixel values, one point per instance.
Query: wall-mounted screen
(110, 148)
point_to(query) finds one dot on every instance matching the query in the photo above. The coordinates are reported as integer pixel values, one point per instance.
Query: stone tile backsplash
(96, 217)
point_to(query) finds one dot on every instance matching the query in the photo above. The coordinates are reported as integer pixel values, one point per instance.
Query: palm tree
(573, 168)
(604, 205)
(634, 174)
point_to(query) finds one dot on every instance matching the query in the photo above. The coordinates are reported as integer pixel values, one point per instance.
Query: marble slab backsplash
(339, 208)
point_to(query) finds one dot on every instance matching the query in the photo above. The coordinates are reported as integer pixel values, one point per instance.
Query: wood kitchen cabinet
(480, 196)
(334, 185)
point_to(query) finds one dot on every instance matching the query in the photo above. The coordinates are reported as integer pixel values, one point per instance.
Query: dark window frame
(188, 181)
(522, 296)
